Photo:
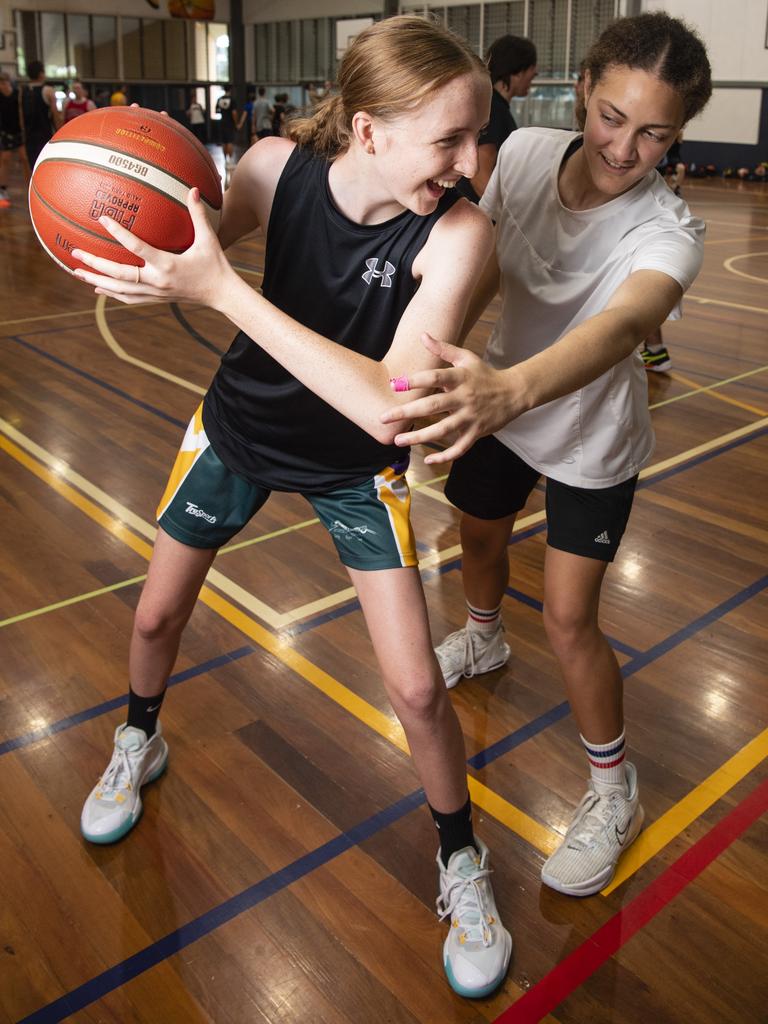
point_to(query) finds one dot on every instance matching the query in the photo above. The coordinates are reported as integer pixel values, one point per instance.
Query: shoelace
(591, 827)
(465, 897)
(118, 768)
(461, 642)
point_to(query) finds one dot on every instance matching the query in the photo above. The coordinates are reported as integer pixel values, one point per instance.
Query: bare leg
(592, 678)
(485, 562)
(396, 615)
(175, 576)
(654, 341)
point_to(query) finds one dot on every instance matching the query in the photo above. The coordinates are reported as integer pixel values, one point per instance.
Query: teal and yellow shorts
(205, 505)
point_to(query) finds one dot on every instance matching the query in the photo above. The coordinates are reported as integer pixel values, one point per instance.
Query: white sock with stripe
(606, 760)
(483, 620)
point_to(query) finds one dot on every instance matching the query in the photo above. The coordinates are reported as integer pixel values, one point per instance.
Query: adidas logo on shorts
(603, 538)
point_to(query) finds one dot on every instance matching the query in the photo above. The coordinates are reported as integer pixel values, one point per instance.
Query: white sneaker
(114, 804)
(478, 947)
(606, 821)
(469, 653)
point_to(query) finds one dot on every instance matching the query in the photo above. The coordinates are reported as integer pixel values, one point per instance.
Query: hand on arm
(478, 400)
(356, 385)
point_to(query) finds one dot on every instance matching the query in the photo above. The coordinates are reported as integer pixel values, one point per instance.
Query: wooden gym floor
(284, 870)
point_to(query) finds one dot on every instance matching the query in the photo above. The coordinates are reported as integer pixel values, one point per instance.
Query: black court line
(192, 332)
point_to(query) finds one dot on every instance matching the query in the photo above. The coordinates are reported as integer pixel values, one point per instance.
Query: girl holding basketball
(366, 245)
(593, 252)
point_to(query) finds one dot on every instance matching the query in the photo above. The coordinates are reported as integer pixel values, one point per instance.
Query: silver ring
(138, 275)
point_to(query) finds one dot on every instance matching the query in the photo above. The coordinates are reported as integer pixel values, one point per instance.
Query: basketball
(131, 164)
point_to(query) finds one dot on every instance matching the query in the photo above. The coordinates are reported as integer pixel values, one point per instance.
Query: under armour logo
(385, 275)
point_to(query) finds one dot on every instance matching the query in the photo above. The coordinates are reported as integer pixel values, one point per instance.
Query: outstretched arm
(474, 400)
(355, 385)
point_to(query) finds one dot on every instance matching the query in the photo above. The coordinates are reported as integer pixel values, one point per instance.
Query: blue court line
(88, 713)
(80, 327)
(699, 459)
(98, 382)
(172, 943)
(87, 993)
(117, 702)
(641, 661)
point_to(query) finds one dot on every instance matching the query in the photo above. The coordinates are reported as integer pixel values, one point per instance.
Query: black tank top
(9, 113)
(37, 113)
(347, 281)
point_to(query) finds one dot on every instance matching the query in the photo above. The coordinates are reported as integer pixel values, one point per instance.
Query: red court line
(579, 965)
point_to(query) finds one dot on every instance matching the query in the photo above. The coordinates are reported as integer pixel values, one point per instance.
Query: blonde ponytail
(389, 69)
(325, 131)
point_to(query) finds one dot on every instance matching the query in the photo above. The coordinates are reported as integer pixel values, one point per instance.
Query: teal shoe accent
(472, 993)
(115, 834)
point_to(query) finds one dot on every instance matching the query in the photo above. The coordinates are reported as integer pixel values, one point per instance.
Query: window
(54, 46)
(104, 32)
(79, 42)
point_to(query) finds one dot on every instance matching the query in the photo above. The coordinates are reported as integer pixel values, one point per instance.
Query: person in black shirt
(511, 64)
(226, 108)
(367, 244)
(40, 115)
(11, 136)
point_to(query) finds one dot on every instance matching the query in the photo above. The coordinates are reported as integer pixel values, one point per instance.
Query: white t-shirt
(558, 268)
(262, 115)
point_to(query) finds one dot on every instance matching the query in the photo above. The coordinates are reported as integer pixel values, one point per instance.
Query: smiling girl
(593, 253)
(367, 244)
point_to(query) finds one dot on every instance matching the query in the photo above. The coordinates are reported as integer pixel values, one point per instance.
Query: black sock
(455, 830)
(143, 711)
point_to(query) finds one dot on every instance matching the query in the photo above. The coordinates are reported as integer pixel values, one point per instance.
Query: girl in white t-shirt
(593, 252)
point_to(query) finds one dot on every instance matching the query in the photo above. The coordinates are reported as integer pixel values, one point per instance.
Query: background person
(119, 98)
(40, 116)
(196, 118)
(77, 102)
(511, 64)
(11, 137)
(226, 108)
(261, 125)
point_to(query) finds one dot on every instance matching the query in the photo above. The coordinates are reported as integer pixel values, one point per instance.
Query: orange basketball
(133, 165)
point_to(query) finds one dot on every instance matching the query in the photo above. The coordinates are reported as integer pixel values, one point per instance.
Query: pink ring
(400, 383)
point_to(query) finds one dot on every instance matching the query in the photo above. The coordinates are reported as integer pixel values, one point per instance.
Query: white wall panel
(733, 31)
(732, 115)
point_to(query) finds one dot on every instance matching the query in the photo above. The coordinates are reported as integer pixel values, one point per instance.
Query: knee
(568, 625)
(155, 622)
(420, 700)
(483, 541)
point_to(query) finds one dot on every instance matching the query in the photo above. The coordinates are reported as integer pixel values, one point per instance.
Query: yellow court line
(546, 840)
(70, 601)
(702, 449)
(120, 352)
(136, 523)
(731, 241)
(735, 224)
(728, 305)
(728, 264)
(59, 316)
(269, 615)
(701, 389)
(715, 394)
(669, 826)
(385, 725)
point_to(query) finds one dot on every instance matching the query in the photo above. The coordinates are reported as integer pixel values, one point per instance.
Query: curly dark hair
(509, 55)
(661, 45)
